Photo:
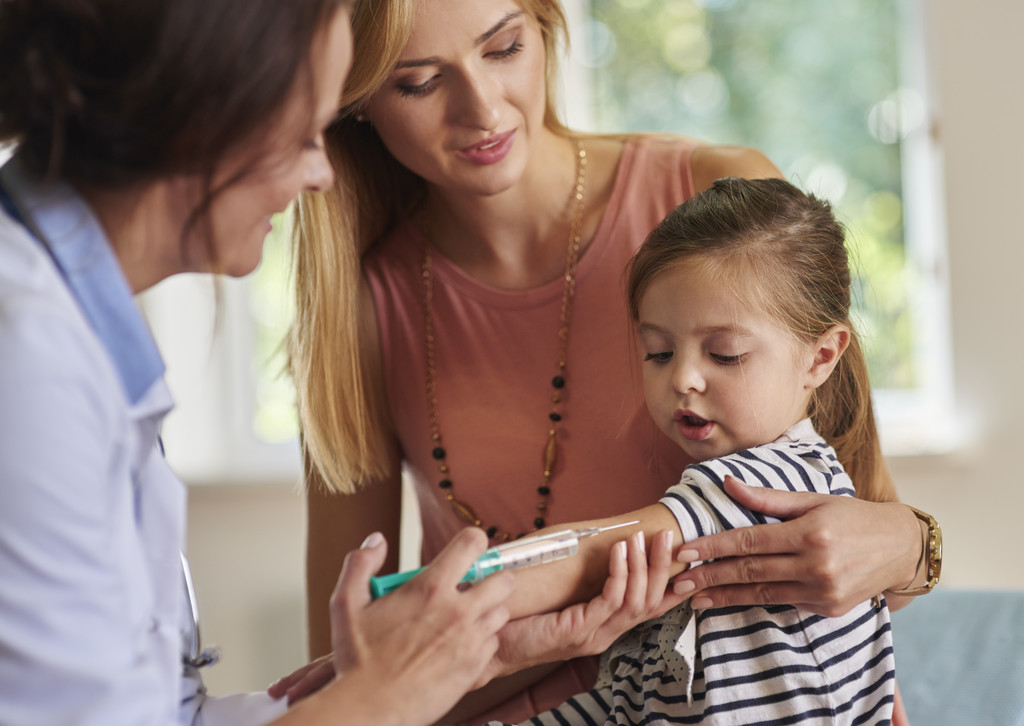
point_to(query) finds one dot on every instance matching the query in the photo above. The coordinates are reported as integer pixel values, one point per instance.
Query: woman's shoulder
(642, 146)
(32, 294)
(715, 162)
(706, 162)
(53, 368)
(653, 175)
(660, 148)
(657, 158)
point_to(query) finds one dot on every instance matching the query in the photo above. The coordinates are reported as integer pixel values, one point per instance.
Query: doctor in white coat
(156, 138)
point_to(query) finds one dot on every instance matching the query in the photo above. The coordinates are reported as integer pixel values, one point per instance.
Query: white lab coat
(91, 517)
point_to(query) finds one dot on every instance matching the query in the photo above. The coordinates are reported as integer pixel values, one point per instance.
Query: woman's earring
(361, 117)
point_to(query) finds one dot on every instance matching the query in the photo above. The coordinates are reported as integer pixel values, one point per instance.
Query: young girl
(741, 298)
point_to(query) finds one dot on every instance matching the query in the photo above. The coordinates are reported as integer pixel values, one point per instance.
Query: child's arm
(568, 608)
(634, 591)
(696, 506)
(578, 579)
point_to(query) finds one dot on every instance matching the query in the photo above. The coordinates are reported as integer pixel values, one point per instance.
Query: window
(235, 418)
(272, 307)
(835, 95)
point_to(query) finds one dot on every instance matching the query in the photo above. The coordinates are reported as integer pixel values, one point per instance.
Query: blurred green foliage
(272, 307)
(814, 85)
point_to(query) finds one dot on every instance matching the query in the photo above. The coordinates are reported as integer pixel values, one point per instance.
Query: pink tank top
(496, 352)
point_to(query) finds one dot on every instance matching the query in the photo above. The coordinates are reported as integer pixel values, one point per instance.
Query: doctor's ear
(828, 349)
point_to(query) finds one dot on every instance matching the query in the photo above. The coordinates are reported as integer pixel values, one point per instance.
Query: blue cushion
(960, 658)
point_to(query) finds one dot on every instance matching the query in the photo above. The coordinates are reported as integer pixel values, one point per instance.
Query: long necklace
(462, 510)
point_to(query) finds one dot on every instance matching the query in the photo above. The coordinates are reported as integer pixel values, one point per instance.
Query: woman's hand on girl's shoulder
(715, 162)
(827, 555)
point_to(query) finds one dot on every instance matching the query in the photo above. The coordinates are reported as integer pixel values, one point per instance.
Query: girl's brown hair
(788, 250)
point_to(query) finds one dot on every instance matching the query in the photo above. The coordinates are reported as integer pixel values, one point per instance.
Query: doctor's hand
(451, 630)
(634, 592)
(428, 641)
(828, 554)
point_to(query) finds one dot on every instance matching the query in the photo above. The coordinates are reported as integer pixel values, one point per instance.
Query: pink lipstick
(491, 150)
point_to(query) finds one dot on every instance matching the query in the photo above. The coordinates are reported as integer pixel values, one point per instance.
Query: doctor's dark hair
(781, 251)
(118, 92)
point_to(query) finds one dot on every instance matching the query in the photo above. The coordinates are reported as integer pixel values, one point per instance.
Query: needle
(591, 531)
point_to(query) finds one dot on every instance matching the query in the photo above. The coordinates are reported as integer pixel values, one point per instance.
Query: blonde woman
(460, 314)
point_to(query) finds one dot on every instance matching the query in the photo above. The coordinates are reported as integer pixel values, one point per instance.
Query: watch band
(932, 553)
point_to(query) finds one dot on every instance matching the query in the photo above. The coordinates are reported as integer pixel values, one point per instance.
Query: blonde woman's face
(467, 97)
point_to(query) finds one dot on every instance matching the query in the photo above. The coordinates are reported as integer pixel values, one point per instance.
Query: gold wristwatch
(932, 553)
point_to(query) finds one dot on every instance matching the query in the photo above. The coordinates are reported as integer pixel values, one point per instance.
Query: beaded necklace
(462, 510)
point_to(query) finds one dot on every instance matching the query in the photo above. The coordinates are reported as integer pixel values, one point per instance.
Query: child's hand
(633, 593)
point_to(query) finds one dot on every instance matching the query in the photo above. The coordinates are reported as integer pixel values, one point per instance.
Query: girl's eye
(663, 357)
(727, 360)
(508, 52)
(412, 90)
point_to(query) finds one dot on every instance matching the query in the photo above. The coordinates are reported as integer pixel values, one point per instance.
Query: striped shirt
(746, 665)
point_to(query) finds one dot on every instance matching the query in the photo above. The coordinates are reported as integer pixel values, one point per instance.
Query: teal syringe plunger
(514, 555)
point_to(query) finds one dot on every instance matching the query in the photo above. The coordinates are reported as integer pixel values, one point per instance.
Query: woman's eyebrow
(484, 37)
(498, 26)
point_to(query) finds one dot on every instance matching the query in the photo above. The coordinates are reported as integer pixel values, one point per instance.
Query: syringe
(514, 555)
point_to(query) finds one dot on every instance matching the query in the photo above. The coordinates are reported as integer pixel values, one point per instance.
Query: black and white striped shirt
(746, 665)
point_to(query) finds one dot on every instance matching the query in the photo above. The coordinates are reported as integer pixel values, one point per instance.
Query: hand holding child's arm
(634, 592)
(829, 554)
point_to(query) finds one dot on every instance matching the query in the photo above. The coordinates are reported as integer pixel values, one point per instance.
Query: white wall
(978, 493)
(246, 542)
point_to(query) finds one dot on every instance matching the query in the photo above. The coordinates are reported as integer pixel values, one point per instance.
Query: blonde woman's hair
(789, 252)
(344, 423)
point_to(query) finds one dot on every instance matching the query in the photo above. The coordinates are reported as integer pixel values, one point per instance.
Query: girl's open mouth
(693, 427)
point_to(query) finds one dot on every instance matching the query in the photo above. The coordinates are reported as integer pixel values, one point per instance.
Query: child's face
(719, 376)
